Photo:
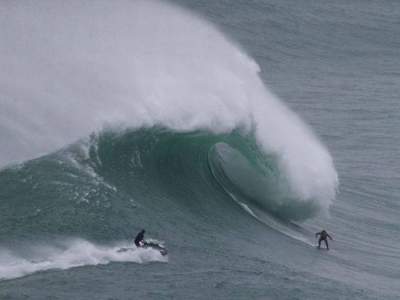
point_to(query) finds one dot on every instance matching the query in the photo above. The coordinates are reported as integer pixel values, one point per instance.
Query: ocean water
(231, 131)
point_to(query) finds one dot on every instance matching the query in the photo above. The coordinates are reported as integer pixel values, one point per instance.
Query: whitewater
(118, 116)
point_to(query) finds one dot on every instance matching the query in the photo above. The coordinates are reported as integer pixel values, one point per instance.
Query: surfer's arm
(330, 237)
(317, 234)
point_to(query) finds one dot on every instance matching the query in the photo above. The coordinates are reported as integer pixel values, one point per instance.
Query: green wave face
(115, 182)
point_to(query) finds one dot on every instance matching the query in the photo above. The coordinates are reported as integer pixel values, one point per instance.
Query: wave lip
(258, 182)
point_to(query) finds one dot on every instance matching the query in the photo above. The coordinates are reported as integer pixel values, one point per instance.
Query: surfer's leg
(319, 243)
(326, 244)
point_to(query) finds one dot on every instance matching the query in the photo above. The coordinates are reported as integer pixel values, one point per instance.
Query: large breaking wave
(171, 117)
(76, 66)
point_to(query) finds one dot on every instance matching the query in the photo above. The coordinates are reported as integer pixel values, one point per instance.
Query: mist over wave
(77, 66)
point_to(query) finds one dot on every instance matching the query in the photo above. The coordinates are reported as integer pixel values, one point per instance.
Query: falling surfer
(323, 236)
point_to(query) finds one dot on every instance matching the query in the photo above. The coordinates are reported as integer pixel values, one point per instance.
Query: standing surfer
(323, 236)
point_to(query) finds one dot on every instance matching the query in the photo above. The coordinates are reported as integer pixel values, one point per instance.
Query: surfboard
(316, 247)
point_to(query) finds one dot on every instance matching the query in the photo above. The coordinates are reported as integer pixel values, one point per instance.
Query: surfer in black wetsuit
(323, 236)
(139, 239)
(141, 243)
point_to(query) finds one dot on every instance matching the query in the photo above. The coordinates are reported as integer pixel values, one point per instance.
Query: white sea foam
(69, 67)
(69, 254)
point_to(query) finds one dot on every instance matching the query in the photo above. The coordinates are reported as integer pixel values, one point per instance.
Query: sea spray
(69, 253)
(77, 66)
